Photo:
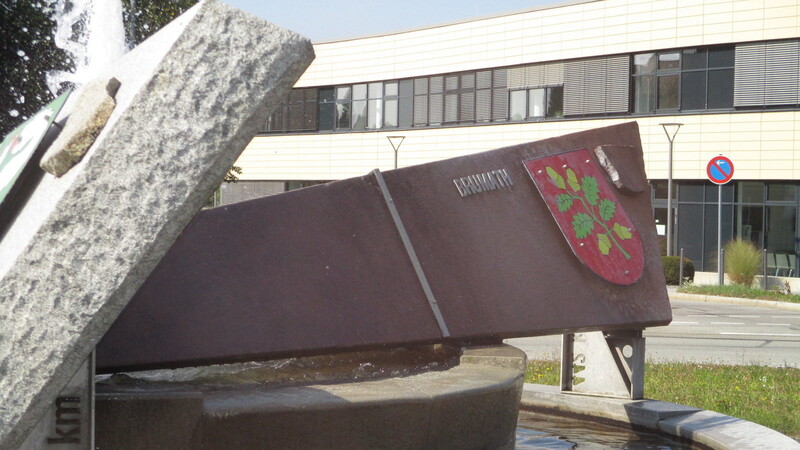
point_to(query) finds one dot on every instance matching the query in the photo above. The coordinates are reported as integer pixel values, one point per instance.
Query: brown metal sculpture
(461, 250)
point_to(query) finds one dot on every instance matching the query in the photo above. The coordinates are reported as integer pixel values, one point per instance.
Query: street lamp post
(395, 141)
(671, 138)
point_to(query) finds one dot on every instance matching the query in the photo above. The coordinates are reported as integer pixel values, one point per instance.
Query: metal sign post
(675, 127)
(719, 171)
(720, 261)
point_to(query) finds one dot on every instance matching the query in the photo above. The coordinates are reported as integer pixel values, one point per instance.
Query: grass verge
(736, 290)
(765, 395)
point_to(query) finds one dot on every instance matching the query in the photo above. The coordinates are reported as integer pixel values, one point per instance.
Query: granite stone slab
(191, 98)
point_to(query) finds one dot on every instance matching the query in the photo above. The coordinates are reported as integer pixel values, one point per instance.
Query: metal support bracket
(412, 255)
(69, 422)
(604, 363)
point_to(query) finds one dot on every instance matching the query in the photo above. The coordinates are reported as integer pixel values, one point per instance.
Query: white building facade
(728, 70)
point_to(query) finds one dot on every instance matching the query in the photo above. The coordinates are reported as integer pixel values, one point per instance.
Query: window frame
(548, 91)
(657, 74)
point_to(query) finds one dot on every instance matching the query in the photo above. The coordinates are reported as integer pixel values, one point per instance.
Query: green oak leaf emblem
(572, 180)
(607, 209)
(590, 189)
(557, 179)
(622, 232)
(603, 243)
(596, 211)
(565, 202)
(583, 224)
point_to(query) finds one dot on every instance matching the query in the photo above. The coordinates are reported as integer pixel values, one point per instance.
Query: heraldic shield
(589, 215)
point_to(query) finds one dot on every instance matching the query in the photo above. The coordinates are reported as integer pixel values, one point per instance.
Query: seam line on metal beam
(387, 197)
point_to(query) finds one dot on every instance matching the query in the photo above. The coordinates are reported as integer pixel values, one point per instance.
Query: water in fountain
(92, 31)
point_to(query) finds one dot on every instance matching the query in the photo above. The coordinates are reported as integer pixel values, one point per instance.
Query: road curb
(734, 301)
(708, 428)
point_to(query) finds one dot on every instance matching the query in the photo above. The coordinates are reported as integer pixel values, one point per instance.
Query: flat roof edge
(561, 4)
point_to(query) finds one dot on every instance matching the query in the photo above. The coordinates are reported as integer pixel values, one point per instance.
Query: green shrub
(742, 261)
(672, 269)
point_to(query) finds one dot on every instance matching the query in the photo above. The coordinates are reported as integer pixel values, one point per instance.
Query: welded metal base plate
(606, 364)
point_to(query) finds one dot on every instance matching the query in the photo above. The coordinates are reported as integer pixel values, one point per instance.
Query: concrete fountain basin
(426, 397)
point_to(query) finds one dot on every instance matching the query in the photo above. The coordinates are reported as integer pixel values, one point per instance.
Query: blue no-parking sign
(719, 170)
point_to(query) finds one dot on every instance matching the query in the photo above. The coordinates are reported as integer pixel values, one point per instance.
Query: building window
(302, 110)
(466, 97)
(707, 78)
(390, 102)
(277, 120)
(459, 98)
(667, 79)
(689, 79)
(343, 106)
(375, 106)
(369, 106)
(555, 102)
(483, 96)
(767, 74)
(499, 95)
(516, 105)
(536, 103)
(451, 99)
(436, 100)
(327, 109)
(405, 103)
(596, 86)
(358, 118)
(764, 213)
(420, 102)
(297, 113)
(644, 82)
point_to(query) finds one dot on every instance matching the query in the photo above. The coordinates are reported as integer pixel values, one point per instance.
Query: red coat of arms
(589, 215)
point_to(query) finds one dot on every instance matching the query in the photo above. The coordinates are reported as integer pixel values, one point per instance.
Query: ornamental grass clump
(672, 265)
(742, 262)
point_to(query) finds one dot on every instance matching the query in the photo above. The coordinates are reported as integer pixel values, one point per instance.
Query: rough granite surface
(192, 96)
(91, 112)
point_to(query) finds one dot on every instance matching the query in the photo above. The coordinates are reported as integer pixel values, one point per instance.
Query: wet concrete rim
(703, 427)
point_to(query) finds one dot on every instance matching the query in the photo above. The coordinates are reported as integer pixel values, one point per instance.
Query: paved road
(709, 332)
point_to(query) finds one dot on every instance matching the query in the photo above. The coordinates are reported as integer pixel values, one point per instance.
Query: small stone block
(623, 165)
(89, 115)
